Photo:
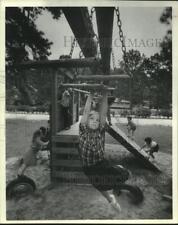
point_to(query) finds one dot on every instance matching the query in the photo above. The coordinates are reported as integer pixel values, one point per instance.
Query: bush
(165, 112)
(143, 112)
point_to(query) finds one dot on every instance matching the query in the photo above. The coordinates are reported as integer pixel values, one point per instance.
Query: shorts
(154, 149)
(131, 128)
(104, 176)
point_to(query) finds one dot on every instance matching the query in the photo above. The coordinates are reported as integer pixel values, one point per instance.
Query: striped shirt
(91, 145)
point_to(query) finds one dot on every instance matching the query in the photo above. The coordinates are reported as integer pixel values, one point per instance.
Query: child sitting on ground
(131, 127)
(30, 157)
(150, 147)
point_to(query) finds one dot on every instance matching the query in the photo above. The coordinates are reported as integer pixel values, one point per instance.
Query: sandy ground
(57, 201)
(75, 202)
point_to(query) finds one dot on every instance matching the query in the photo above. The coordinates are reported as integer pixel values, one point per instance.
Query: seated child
(30, 157)
(150, 147)
(131, 127)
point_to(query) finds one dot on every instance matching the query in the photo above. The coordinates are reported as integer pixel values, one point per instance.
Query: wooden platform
(65, 160)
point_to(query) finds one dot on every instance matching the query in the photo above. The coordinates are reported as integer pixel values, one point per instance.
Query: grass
(161, 134)
(19, 134)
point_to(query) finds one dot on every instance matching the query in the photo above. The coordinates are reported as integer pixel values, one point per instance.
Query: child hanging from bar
(101, 174)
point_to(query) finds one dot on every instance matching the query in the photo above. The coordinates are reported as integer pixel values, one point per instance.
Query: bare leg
(128, 130)
(112, 200)
(132, 133)
(107, 195)
(22, 169)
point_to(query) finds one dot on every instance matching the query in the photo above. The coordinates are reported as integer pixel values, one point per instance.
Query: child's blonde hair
(93, 112)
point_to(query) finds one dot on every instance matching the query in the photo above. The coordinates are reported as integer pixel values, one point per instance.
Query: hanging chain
(81, 54)
(72, 48)
(113, 59)
(92, 11)
(121, 36)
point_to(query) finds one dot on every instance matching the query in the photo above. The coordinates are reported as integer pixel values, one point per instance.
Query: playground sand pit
(75, 202)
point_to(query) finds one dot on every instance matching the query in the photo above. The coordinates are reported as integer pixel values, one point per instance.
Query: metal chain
(72, 48)
(121, 36)
(113, 59)
(91, 13)
(81, 54)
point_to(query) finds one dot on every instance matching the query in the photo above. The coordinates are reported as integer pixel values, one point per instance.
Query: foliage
(151, 77)
(136, 88)
(24, 42)
(160, 68)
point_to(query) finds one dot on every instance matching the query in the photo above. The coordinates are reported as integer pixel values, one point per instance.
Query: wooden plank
(66, 163)
(66, 138)
(167, 197)
(102, 77)
(67, 169)
(130, 145)
(66, 145)
(81, 25)
(65, 63)
(59, 150)
(72, 177)
(80, 91)
(87, 86)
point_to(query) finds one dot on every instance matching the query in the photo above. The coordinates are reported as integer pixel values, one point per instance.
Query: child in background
(150, 147)
(65, 105)
(110, 101)
(30, 157)
(131, 127)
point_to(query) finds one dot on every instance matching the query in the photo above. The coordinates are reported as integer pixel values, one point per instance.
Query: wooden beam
(65, 63)
(81, 25)
(102, 77)
(104, 17)
(81, 91)
(87, 86)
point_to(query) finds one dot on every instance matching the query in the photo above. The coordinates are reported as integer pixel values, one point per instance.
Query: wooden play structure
(65, 162)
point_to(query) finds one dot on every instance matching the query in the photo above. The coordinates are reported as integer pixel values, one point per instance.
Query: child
(131, 127)
(65, 105)
(150, 147)
(110, 101)
(30, 157)
(101, 174)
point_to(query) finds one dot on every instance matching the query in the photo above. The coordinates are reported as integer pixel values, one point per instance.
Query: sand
(57, 201)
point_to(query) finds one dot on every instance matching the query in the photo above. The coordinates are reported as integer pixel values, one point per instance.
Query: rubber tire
(136, 193)
(20, 180)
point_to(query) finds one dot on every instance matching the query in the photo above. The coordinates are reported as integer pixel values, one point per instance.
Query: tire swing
(135, 193)
(20, 187)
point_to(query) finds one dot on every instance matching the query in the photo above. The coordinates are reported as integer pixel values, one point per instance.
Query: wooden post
(54, 107)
